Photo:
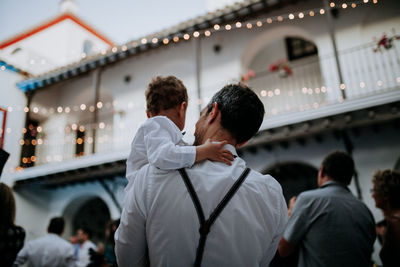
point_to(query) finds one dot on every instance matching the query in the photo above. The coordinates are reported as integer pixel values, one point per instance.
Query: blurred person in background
(329, 225)
(49, 250)
(386, 193)
(11, 236)
(83, 236)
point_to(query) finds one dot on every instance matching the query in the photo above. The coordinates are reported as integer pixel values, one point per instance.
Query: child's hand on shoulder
(214, 151)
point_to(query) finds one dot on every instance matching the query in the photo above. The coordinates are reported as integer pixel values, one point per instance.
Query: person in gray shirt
(328, 225)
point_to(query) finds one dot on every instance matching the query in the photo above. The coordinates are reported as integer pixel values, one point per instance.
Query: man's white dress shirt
(158, 142)
(83, 253)
(160, 215)
(47, 251)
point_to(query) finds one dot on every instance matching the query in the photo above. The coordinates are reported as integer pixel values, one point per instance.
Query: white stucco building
(85, 114)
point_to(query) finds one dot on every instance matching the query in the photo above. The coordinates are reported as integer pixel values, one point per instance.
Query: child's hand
(214, 151)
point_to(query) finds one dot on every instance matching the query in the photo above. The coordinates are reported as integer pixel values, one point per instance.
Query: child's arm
(161, 144)
(214, 151)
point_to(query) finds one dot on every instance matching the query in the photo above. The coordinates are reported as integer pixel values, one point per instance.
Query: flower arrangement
(385, 42)
(281, 66)
(245, 77)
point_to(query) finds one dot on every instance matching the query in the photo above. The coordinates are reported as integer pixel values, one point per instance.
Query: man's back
(246, 233)
(332, 228)
(47, 251)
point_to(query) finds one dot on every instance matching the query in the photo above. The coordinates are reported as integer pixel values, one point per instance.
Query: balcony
(312, 91)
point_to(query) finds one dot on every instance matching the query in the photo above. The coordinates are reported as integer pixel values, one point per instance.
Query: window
(88, 47)
(299, 48)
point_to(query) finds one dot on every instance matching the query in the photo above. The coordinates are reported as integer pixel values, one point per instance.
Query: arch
(294, 177)
(72, 209)
(93, 214)
(267, 37)
(284, 86)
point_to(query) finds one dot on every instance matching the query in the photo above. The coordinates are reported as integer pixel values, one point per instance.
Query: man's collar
(333, 182)
(232, 149)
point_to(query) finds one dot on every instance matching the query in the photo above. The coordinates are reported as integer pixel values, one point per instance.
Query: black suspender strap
(205, 225)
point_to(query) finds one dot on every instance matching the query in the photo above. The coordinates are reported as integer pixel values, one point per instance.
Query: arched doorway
(94, 215)
(294, 177)
(282, 66)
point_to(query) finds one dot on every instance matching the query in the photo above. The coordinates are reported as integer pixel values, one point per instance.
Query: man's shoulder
(264, 180)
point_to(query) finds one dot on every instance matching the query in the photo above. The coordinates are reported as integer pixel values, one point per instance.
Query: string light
(228, 27)
(344, 5)
(186, 36)
(176, 39)
(165, 41)
(154, 40)
(291, 16)
(259, 23)
(144, 41)
(207, 33)
(249, 25)
(196, 34)
(321, 11)
(114, 49)
(216, 27)
(124, 48)
(269, 20)
(238, 24)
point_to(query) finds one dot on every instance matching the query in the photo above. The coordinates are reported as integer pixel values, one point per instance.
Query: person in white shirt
(48, 251)
(160, 225)
(85, 245)
(159, 140)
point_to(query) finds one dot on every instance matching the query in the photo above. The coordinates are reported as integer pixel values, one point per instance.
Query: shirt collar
(331, 183)
(232, 149)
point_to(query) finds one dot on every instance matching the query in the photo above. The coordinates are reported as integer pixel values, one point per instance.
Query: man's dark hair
(56, 226)
(86, 230)
(339, 166)
(164, 93)
(242, 112)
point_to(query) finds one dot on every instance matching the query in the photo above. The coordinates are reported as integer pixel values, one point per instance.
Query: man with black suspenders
(211, 214)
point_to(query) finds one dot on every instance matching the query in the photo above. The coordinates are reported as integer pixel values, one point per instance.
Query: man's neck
(220, 135)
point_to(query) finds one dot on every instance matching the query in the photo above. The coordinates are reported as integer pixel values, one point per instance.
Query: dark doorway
(294, 177)
(80, 143)
(29, 144)
(94, 215)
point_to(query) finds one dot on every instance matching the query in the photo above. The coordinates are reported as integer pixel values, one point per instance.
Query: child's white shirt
(158, 142)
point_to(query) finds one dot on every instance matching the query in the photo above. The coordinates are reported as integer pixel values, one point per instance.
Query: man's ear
(213, 113)
(182, 109)
(148, 114)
